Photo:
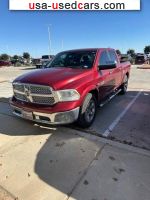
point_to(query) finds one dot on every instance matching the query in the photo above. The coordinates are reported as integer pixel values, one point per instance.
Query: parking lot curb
(144, 66)
(115, 143)
(5, 195)
(3, 81)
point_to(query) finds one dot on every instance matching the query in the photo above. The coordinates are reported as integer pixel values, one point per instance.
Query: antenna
(49, 38)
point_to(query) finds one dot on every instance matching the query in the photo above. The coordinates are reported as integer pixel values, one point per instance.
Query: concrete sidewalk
(3, 80)
(69, 164)
(120, 172)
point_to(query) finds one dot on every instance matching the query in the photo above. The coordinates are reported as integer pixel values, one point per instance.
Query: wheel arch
(95, 93)
(127, 74)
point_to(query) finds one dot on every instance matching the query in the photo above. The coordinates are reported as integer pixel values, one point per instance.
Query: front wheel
(87, 111)
(124, 86)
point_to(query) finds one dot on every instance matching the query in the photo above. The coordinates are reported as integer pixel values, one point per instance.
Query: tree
(15, 57)
(147, 49)
(118, 52)
(4, 57)
(131, 52)
(26, 55)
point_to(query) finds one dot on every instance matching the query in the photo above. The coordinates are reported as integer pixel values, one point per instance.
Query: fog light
(63, 118)
(43, 118)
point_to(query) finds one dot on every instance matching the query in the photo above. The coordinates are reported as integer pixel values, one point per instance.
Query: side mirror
(107, 66)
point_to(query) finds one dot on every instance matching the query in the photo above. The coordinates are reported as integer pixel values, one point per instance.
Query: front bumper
(66, 117)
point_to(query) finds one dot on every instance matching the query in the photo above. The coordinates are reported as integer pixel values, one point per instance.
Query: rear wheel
(124, 86)
(87, 111)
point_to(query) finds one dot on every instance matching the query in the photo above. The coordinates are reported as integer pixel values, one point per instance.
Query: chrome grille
(40, 90)
(45, 100)
(37, 94)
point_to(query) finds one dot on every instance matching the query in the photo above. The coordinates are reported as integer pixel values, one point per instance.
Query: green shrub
(18, 64)
(28, 64)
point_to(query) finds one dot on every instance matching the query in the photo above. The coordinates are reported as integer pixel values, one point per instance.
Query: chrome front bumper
(53, 118)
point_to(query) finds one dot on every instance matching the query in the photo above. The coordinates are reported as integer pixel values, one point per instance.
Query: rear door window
(113, 56)
(104, 58)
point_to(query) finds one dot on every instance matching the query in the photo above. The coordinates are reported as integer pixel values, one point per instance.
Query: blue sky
(27, 30)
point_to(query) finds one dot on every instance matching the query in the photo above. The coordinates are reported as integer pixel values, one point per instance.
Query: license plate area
(27, 115)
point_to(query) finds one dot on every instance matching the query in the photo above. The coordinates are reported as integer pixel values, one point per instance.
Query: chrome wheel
(90, 111)
(87, 111)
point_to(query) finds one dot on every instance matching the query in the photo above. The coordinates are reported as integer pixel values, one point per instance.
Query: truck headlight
(68, 95)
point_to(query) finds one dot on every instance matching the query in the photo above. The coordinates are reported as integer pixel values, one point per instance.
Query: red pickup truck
(72, 88)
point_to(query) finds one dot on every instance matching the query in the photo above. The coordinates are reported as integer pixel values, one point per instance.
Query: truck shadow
(63, 160)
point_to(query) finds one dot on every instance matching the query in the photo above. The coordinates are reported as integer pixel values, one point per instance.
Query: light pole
(49, 38)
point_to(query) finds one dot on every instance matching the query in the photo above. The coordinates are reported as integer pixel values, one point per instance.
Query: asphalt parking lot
(30, 152)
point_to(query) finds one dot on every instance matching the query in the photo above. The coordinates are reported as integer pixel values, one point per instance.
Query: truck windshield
(74, 59)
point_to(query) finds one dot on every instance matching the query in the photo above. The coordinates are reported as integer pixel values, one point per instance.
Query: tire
(124, 86)
(87, 111)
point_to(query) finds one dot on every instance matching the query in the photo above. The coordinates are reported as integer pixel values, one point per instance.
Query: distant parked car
(4, 63)
(148, 55)
(141, 59)
(44, 60)
(36, 61)
(125, 58)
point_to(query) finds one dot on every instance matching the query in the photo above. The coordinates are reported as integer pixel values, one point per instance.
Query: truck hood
(58, 78)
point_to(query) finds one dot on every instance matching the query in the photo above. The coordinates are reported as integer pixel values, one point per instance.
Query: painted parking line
(116, 121)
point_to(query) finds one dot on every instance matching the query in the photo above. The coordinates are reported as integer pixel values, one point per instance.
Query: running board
(109, 98)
